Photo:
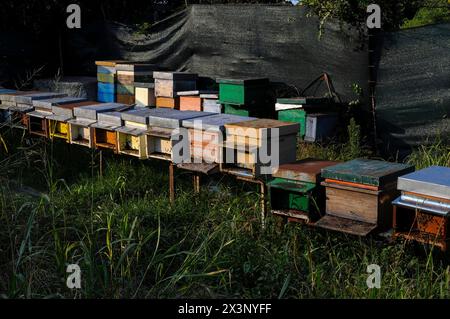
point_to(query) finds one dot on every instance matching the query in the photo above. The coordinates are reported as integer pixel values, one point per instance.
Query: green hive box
(295, 116)
(290, 195)
(243, 91)
(244, 111)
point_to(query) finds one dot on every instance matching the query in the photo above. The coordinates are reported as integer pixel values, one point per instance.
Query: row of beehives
(357, 197)
(165, 133)
(130, 82)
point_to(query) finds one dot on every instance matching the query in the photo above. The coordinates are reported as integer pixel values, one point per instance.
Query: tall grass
(130, 242)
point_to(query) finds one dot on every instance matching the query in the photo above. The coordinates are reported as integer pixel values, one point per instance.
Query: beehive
(359, 195)
(168, 102)
(58, 121)
(81, 132)
(144, 94)
(132, 138)
(248, 92)
(167, 84)
(206, 136)
(314, 110)
(295, 190)
(37, 119)
(211, 103)
(161, 136)
(105, 135)
(422, 211)
(255, 147)
(193, 100)
(107, 79)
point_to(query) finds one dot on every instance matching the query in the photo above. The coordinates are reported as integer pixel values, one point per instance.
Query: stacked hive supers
(244, 97)
(422, 211)
(107, 78)
(313, 114)
(359, 195)
(168, 84)
(258, 146)
(127, 75)
(206, 136)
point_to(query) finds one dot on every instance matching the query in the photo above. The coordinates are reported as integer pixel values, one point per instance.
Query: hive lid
(144, 85)
(136, 67)
(110, 118)
(91, 111)
(59, 117)
(6, 91)
(110, 63)
(261, 127)
(175, 76)
(138, 115)
(213, 96)
(303, 100)
(431, 181)
(131, 130)
(81, 122)
(244, 81)
(214, 122)
(11, 96)
(306, 170)
(48, 103)
(295, 186)
(40, 114)
(170, 118)
(68, 109)
(29, 98)
(367, 172)
(195, 92)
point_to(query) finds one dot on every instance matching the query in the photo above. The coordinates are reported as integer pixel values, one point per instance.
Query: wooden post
(196, 179)
(171, 183)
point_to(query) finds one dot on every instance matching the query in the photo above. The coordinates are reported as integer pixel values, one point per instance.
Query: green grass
(131, 243)
(436, 11)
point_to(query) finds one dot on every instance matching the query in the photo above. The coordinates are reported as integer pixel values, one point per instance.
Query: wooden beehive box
(132, 138)
(247, 92)
(422, 211)
(105, 135)
(248, 146)
(295, 190)
(167, 84)
(206, 136)
(359, 195)
(193, 100)
(81, 132)
(320, 126)
(211, 103)
(37, 119)
(58, 121)
(107, 79)
(160, 136)
(168, 102)
(144, 94)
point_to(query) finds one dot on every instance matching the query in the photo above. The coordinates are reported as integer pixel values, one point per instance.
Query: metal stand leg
(101, 163)
(263, 203)
(171, 183)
